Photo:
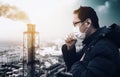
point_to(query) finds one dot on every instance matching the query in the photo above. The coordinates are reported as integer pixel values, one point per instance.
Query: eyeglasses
(75, 23)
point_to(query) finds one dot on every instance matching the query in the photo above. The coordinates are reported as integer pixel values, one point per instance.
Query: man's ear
(88, 22)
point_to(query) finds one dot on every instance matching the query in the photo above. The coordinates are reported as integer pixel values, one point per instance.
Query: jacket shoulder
(105, 42)
(104, 47)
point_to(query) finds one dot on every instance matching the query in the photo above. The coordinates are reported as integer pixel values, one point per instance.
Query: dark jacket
(101, 57)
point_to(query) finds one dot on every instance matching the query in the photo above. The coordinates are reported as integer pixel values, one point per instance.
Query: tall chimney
(30, 48)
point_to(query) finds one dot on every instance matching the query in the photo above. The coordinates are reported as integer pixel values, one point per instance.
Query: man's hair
(85, 12)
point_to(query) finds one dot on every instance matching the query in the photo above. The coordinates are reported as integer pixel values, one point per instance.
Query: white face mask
(79, 34)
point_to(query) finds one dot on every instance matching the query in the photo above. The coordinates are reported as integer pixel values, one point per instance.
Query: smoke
(12, 12)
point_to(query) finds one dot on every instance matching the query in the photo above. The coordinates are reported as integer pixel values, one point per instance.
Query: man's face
(77, 22)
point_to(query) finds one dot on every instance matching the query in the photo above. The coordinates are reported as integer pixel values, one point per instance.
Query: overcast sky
(107, 10)
(53, 18)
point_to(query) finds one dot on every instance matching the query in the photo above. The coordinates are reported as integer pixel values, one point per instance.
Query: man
(99, 56)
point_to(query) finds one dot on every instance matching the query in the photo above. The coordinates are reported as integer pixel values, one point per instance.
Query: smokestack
(30, 41)
(31, 27)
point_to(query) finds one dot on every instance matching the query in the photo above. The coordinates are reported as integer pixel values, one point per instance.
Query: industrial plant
(30, 59)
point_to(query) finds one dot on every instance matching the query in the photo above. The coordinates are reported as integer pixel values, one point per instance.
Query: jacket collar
(99, 32)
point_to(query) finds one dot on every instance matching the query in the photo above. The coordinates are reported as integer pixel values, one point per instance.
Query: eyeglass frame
(76, 23)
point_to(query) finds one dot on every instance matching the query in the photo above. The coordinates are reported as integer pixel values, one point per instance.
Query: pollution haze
(53, 18)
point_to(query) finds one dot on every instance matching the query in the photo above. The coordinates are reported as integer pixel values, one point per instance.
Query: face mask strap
(87, 27)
